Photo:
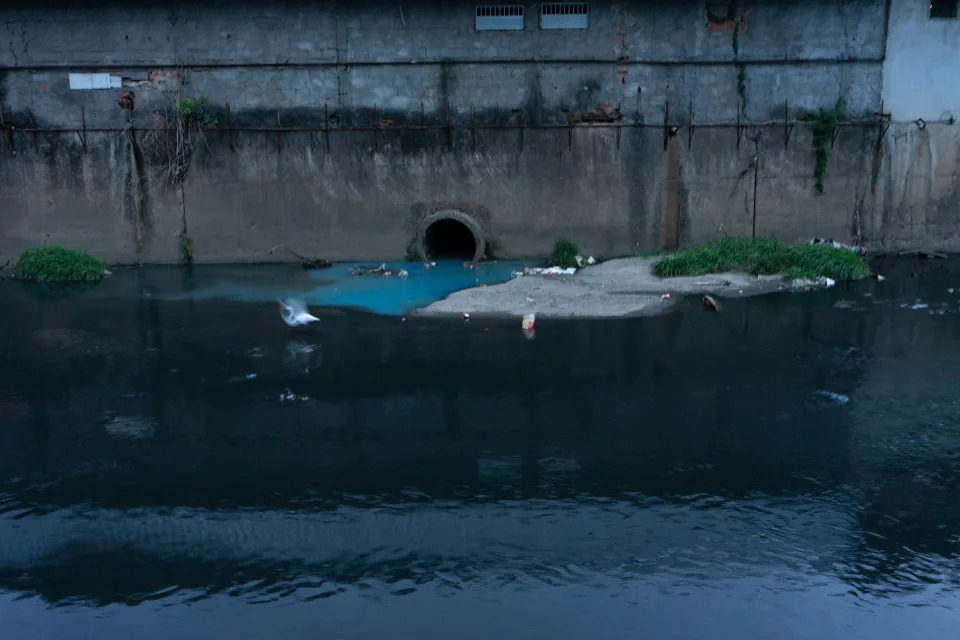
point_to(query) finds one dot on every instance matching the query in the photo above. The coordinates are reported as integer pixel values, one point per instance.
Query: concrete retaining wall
(358, 194)
(355, 202)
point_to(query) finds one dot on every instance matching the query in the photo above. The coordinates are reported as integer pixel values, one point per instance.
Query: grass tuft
(764, 256)
(57, 264)
(565, 254)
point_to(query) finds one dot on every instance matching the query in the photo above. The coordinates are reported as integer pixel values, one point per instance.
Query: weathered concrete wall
(357, 194)
(354, 55)
(920, 71)
(358, 201)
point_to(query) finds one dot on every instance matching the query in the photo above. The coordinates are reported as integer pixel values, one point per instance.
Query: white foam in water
(839, 398)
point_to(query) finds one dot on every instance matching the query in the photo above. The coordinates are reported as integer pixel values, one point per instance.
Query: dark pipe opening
(448, 238)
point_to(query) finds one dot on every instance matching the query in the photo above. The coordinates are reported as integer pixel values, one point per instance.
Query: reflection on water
(788, 468)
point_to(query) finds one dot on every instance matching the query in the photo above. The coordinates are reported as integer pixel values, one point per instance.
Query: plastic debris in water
(289, 396)
(591, 260)
(839, 398)
(294, 313)
(465, 316)
(528, 321)
(550, 271)
(711, 303)
(665, 296)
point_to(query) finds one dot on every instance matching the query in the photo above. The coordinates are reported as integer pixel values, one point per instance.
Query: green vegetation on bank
(565, 254)
(764, 256)
(57, 264)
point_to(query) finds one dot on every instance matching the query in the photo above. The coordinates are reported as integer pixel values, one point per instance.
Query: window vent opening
(943, 8)
(500, 17)
(564, 15)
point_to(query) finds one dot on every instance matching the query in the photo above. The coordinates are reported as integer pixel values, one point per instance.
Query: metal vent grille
(500, 17)
(564, 15)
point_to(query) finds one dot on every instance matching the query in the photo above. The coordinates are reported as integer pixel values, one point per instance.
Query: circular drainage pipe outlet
(450, 234)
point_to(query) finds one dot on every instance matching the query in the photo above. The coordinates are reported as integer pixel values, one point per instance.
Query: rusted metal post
(523, 125)
(278, 128)
(9, 128)
(36, 133)
(449, 130)
(473, 127)
(880, 129)
(83, 125)
(787, 125)
(326, 127)
(666, 124)
(619, 126)
(229, 132)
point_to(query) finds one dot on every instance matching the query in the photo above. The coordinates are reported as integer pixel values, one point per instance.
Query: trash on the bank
(879, 277)
(579, 260)
(516, 274)
(550, 271)
(665, 296)
(591, 260)
(839, 398)
(711, 303)
(528, 321)
(289, 396)
(249, 376)
(465, 316)
(382, 270)
(294, 313)
(923, 254)
(839, 245)
(826, 282)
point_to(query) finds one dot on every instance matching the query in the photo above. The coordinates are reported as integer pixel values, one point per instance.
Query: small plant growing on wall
(824, 126)
(186, 250)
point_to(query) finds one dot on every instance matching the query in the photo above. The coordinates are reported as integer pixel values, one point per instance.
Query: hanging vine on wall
(742, 68)
(175, 135)
(823, 125)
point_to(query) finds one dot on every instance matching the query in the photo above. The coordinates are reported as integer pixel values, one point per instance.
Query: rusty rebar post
(278, 128)
(449, 130)
(229, 122)
(326, 127)
(473, 127)
(83, 128)
(787, 125)
(619, 127)
(9, 129)
(666, 124)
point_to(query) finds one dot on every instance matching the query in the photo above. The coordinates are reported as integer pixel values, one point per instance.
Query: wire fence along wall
(671, 126)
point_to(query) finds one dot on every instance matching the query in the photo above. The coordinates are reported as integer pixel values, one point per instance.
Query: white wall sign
(86, 81)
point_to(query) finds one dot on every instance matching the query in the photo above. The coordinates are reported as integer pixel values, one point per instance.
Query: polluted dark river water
(175, 462)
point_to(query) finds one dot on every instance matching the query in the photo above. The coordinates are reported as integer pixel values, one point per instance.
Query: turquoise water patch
(336, 286)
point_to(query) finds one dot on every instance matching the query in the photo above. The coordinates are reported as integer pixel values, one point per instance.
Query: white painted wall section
(921, 74)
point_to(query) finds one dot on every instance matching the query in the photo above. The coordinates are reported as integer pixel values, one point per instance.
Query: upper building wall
(921, 74)
(406, 57)
(429, 30)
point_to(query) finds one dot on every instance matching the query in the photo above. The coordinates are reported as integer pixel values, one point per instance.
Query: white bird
(294, 313)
